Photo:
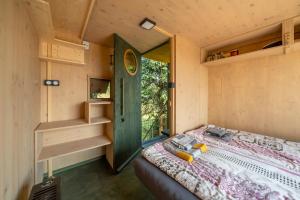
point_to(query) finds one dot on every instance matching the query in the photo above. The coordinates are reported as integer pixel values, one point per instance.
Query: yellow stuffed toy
(185, 156)
(188, 157)
(202, 147)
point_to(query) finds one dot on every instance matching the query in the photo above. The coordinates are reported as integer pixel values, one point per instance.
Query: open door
(127, 102)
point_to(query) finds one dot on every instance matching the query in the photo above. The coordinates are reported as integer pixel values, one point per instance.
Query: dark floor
(97, 181)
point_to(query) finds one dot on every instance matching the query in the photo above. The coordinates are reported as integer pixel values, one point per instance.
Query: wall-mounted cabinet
(272, 40)
(62, 51)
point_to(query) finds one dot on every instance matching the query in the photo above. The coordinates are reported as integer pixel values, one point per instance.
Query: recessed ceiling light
(147, 24)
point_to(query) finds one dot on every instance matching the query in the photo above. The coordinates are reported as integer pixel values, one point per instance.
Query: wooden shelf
(61, 61)
(66, 124)
(100, 120)
(255, 54)
(95, 102)
(63, 149)
(69, 43)
(88, 108)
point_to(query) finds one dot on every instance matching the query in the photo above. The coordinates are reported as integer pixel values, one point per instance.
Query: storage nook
(72, 122)
(276, 39)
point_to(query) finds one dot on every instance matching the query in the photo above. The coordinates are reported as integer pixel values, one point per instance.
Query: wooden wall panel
(259, 95)
(20, 99)
(67, 100)
(191, 86)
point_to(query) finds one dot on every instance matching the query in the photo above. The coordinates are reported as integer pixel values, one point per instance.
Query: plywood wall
(259, 95)
(191, 86)
(67, 100)
(20, 99)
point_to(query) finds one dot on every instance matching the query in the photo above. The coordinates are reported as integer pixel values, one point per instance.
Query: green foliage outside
(154, 96)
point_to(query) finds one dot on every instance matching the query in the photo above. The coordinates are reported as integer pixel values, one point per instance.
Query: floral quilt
(249, 166)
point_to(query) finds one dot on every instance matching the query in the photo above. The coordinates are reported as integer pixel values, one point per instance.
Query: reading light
(147, 24)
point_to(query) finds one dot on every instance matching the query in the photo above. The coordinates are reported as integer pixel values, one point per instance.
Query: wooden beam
(87, 18)
(287, 34)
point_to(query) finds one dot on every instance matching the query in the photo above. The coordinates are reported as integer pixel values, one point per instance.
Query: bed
(249, 166)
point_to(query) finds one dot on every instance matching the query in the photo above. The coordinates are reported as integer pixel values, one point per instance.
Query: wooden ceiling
(68, 18)
(203, 22)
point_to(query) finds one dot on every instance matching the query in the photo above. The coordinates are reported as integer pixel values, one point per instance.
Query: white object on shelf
(86, 45)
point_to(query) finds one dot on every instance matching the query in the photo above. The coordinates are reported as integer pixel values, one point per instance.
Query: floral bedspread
(250, 166)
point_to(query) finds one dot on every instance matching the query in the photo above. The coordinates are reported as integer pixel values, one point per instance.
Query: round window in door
(130, 62)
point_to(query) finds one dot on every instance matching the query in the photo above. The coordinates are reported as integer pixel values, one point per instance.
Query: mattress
(160, 184)
(249, 166)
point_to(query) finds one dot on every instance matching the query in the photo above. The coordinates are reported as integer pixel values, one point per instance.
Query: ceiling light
(147, 24)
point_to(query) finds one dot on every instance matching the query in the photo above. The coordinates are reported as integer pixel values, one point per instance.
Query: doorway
(155, 77)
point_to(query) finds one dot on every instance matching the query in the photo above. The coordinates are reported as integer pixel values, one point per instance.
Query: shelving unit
(252, 45)
(88, 107)
(256, 54)
(60, 51)
(67, 143)
(54, 139)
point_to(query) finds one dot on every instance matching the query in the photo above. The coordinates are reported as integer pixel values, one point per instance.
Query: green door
(127, 102)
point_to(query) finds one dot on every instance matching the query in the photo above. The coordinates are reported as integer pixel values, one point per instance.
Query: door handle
(122, 108)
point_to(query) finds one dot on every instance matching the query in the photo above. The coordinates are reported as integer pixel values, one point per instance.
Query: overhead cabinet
(62, 51)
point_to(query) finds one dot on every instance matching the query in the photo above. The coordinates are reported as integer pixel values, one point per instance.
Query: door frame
(172, 82)
(172, 90)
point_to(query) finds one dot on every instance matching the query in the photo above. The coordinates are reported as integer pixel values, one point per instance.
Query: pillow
(216, 131)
